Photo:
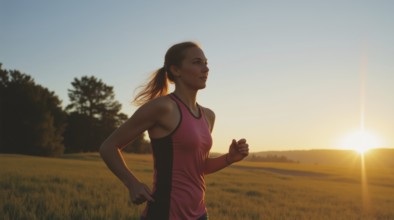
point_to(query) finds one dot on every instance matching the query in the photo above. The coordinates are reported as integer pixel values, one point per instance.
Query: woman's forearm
(215, 164)
(113, 158)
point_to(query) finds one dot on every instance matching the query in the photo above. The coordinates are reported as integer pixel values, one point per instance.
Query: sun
(361, 141)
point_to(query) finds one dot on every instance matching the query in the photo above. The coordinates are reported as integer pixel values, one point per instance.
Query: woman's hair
(158, 84)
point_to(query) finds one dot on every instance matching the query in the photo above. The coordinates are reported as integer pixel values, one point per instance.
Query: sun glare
(361, 142)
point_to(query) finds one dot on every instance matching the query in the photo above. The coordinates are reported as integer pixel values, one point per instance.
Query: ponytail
(158, 83)
(156, 87)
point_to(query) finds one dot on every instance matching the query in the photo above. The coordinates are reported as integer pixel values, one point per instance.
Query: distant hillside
(333, 157)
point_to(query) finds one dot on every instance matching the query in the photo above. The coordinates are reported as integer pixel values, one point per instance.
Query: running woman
(180, 133)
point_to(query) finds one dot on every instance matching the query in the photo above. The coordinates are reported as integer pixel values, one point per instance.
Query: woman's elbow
(104, 147)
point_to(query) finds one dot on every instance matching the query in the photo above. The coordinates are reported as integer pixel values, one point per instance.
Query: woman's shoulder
(209, 116)
(208, 112)
(160, 104)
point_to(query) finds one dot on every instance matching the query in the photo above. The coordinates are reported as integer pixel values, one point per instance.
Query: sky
(285, 75)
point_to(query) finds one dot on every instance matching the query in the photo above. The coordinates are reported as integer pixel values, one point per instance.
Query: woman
(180, 132)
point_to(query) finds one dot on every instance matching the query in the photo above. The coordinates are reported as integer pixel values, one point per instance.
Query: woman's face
(193, 71)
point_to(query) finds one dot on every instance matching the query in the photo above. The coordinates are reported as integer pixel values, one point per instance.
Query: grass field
(80, 186)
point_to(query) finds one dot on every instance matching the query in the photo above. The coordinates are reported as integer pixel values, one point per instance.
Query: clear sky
(283, 74)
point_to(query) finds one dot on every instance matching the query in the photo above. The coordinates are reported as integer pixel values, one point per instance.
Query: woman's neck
(189, 97)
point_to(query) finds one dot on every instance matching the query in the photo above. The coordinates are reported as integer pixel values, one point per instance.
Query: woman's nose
(206, 69)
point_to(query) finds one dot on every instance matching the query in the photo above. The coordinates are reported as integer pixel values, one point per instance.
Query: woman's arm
(110, 150)
(238, 151)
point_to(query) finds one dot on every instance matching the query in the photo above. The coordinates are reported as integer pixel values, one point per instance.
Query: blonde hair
(158, 83)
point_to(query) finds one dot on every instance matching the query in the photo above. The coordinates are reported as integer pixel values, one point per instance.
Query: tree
(93, 98)
(31, 117)
(93, 114)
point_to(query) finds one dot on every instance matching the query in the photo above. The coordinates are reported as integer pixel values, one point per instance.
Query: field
(80, 186)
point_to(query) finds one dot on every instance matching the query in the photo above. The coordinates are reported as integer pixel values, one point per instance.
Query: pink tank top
(179, 159)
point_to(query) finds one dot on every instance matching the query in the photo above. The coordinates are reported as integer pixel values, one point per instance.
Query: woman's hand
(238, 150)
(140, 193)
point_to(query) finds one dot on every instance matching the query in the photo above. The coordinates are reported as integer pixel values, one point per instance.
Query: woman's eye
(200, 62)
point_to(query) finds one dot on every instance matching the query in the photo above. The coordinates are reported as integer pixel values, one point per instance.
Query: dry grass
(81, 187)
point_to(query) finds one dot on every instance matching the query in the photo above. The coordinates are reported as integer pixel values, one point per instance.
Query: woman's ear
(175, 71)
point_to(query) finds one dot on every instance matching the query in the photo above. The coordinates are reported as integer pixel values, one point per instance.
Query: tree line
(33, 120)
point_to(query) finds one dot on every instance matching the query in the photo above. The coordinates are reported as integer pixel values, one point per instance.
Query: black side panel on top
(163, 155)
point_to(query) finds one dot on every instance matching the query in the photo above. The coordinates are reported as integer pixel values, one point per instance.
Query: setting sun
(361, 141)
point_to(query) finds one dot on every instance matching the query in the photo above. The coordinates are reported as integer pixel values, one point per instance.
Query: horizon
(294, 76)
(319, 149)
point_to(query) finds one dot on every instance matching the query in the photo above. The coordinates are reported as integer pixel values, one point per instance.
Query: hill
(381, 156)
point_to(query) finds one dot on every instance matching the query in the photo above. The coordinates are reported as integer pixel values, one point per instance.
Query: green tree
(93, 114)
(92, 97)
(31, 117)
